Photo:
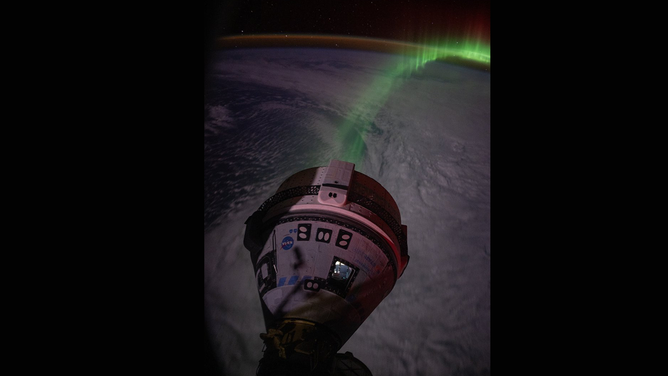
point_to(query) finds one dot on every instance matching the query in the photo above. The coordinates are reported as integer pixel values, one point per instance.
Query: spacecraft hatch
(326, 249)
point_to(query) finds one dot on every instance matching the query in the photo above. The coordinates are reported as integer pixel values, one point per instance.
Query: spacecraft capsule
(327, 248)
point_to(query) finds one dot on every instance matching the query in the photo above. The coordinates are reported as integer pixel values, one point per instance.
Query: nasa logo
(287, 243)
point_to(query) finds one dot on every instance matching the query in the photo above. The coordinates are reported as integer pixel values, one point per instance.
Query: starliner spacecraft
(327, 248)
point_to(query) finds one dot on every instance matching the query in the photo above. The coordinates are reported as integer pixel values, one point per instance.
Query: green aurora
(352, 131)
(409, 58)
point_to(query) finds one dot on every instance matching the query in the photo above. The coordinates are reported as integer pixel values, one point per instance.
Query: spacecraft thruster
(327, 248)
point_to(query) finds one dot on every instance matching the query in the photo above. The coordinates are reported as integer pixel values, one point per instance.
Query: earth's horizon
(454, 52)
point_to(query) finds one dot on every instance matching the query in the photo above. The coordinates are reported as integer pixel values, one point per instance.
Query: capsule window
(341, 271)
(265, 273)
(341, 276)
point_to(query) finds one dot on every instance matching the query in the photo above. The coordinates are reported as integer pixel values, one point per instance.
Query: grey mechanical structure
(327, 248)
